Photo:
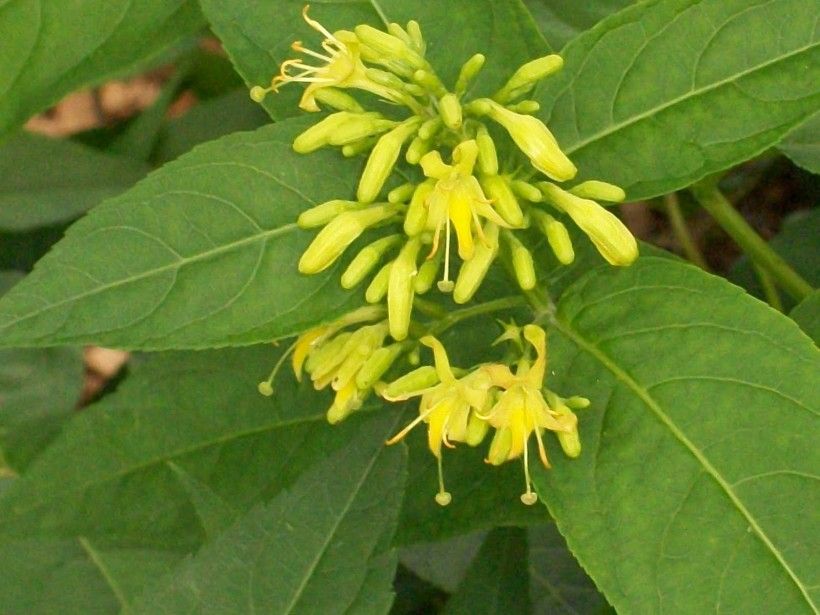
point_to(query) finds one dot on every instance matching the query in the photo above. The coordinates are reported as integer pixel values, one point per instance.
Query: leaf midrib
(643, 394)
(602, 134)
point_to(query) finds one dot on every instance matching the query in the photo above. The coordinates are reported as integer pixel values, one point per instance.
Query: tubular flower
(521, 410)
(457, 199)
(450, 409)
(340, 67)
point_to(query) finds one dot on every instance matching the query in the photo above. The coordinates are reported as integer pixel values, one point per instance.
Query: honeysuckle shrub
(393, 344)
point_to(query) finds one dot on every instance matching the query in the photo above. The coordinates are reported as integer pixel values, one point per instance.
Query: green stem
(769, 288)
(681, 231)
(708, 194)
(487, 307)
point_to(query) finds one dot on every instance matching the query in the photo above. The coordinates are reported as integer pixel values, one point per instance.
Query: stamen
(409, 427)
(541, 450)
(315, 24)
(297, 46)
(443, 497)
(266, 386)
(446, 285)
(529, 497)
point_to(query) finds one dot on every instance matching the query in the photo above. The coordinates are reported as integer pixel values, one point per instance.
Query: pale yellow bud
(417, 148)
(599, 191)
(525, 106)
(319, 134)
(359, 127)
(382, 159)
(557, 237)
(400, 290)
(498, 190)
(376, 365)
(473, 271)
(577, 403)
(366, 260)
(358, 147)
(401, 193)
(388, 45)
(476, 430)
(415, 219)
(526, 191)
(527, 76)
(325, 212)
(430, 127)
(414, 32)
(522, 262)
(404, 387)
(337, 99)
(610, 236)
(500, 446)
(346, 401)
(427, 274)
(450, 110)
(536, 141)
(487, 155)
(430, 82)
(334, 238)
(377, 288)
(468, 72)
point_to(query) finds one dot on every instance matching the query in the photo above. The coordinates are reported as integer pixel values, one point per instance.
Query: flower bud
(357, 147)
(450, 110)
(396, 30)
(319, 134)
(522, 262)
(610, 236)
(500, 446)
(557, 236)
(599, 191)
(526, 191)
(527, 76)
(525, 106)
(430, 82)
(487, 156)
(366, 260)
(430, 127)
(412, 382)
(376, 365)
(346, 401)
(498, 190)
(388, 45)
(415, 219)
(418, 147)
(536, 141)
(400, 290)
(577, 403)
(427, 274)
(334, 238)
(476, 430)
(325, 212)
(382, 158)
(401, 193)
(468, 72)
(360, 128)
(378, 285)
(337, 99)
(473, 271)
(414, 32)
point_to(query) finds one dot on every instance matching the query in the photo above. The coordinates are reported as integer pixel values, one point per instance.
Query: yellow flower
(521, 410)
(457, 199)
(449, 408)
(340, 66)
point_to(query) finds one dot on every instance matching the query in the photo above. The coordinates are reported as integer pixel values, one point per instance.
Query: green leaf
(214, 513)
(51, 48)
(798, 242)
(802, 144)
(207, 121)
(192, 256)
(36, 192)
(258, 39)
(558, 585)
(42, 576)
(443, 563)
(669, 91)
(562, 20)
(497, 580)
(700, 453)
(310, 549)
(807, 315)
(38, 391)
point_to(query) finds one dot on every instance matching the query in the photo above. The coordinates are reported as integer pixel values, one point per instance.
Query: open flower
(456, 199)
(450, 409)
(521, 410)
(340, 66)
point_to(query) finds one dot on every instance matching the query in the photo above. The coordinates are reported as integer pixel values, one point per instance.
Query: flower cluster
(459, 210)
(464, 193)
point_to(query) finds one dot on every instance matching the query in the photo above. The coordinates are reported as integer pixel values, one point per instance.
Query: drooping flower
(450, 409)
(457, 199)
(521, 410)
